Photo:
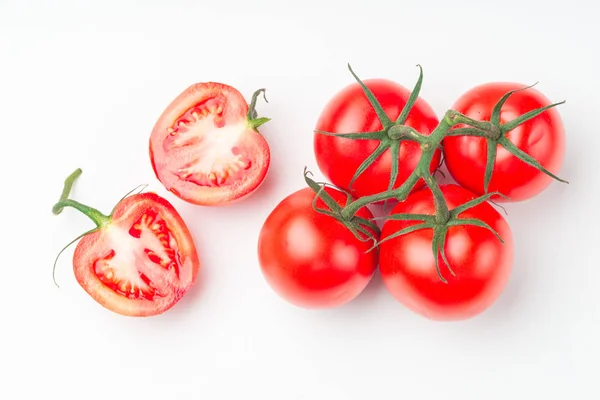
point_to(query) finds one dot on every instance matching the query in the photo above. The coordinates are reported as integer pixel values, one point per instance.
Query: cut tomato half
(205, 147)
(140, 260)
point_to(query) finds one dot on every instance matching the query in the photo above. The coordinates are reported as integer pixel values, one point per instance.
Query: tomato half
(205, 147)
(542, 137)
(140, 260)
(481, 262)
(350, 111)
(310, 259)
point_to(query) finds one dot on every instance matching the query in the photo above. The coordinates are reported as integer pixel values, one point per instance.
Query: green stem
(400, 193)
(252, 117)
(405, 132)
(429, 146)
(96, 216)
(486, 129)
(68, 186)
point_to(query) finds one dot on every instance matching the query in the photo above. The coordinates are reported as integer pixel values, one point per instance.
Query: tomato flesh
(128, 278)
(142, 262)
(203, 150)
(481, 262)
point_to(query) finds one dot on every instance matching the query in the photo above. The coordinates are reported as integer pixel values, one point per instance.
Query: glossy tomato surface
(142, 262)
(481, 262)
(203, 149)
(542, 137)
(350, 111)
(310, 259)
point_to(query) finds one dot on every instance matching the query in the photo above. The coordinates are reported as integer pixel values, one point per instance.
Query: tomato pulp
(542, 137)
(481, 262)
(349, 111)
(310, 259)
(205, 147)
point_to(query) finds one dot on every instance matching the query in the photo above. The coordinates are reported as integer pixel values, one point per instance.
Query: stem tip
(69, 181)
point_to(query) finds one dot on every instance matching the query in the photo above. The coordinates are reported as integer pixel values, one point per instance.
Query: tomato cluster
(442, 250)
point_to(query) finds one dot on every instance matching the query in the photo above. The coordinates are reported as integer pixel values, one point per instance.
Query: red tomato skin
(543, 138)
(94, 246)
(350, 111)
(312, 260)
(250, 143)
(481, 262)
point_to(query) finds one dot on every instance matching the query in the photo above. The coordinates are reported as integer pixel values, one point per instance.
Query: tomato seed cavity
(112, 272)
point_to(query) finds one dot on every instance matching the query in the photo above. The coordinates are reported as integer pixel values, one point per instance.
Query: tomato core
(201, 146)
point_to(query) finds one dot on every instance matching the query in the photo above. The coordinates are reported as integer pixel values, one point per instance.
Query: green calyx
(390, 136)
(495, 134)
(252, 117)
(440, 228)
(362, 228)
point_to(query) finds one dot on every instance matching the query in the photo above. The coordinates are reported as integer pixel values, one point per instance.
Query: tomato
(205, 147)
(310, 259)
(481, 262)
(542, 137)
(140, 260)
(350, 111)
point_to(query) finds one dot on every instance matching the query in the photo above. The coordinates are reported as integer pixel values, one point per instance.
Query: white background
(82, 84)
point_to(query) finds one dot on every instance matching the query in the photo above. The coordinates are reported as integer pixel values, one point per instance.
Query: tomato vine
(393, 133)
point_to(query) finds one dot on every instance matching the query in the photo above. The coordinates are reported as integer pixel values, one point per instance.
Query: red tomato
(140, 260)
(542, 137)
(310, 259)
(205, 149)
(350, 111)
(481, 262)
